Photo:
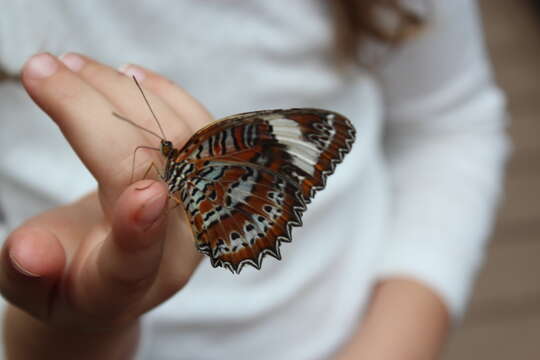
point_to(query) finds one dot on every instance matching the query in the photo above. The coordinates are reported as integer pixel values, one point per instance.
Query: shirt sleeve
(446, 147)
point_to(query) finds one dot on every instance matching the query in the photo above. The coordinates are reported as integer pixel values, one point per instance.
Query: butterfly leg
(133, 160)
(146, 173)
(176, 200)
(152, 166)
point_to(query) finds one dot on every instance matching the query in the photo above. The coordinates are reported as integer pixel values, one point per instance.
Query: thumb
(31, 264)
(127, 262)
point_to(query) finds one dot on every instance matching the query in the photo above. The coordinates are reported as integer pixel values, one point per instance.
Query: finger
(84, 116)
(125, 96)
(120, 271)
(177, 98)
(71, 223)
(31, 264)
(179, 261)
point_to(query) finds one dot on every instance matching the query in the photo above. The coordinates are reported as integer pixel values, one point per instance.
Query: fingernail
(152, 209)
(132, 70)
(41, 66)
(72, 61)
(17, 264)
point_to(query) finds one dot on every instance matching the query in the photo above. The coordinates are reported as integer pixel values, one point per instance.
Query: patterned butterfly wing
(245, 180)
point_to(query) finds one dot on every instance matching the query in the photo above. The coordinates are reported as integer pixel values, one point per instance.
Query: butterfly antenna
(136, 125)
(149, 107)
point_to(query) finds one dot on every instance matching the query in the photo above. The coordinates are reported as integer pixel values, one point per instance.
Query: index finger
(84, 116)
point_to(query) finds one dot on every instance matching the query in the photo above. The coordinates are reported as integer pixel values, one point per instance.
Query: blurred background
(503, 321)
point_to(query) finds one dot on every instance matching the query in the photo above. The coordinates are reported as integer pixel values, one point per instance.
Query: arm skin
(445, 126)
(405, 321)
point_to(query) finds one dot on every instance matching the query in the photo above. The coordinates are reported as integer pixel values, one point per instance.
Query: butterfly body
(245, 180)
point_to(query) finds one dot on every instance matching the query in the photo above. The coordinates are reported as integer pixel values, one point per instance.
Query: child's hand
(101, 262)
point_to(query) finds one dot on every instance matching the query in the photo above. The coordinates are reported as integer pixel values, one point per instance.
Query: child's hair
(356, 22)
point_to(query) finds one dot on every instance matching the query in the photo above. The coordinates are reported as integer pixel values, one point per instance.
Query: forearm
(405, 321)
(28, 338)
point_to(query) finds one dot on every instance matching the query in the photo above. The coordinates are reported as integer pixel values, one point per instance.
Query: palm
(95, 253)
(82, 229)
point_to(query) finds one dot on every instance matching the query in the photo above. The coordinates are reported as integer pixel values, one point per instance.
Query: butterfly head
(169, 152)
(166, 148)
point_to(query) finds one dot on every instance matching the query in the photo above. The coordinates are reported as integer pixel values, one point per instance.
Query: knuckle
(65, 92)
(159, 84)
(122, 283)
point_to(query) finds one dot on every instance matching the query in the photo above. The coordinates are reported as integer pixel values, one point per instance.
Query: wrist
(29, 338)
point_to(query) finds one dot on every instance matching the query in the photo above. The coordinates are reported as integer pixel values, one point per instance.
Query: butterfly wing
(245, 180)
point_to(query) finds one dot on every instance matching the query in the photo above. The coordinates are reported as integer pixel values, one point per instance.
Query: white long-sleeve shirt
(414, 198)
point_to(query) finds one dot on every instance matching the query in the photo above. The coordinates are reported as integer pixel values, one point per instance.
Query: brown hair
(357, 22)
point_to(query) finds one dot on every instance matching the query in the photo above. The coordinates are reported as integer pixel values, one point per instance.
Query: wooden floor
(503, 321)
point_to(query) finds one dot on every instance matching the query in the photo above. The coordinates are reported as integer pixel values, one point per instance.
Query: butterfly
(245, 180)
